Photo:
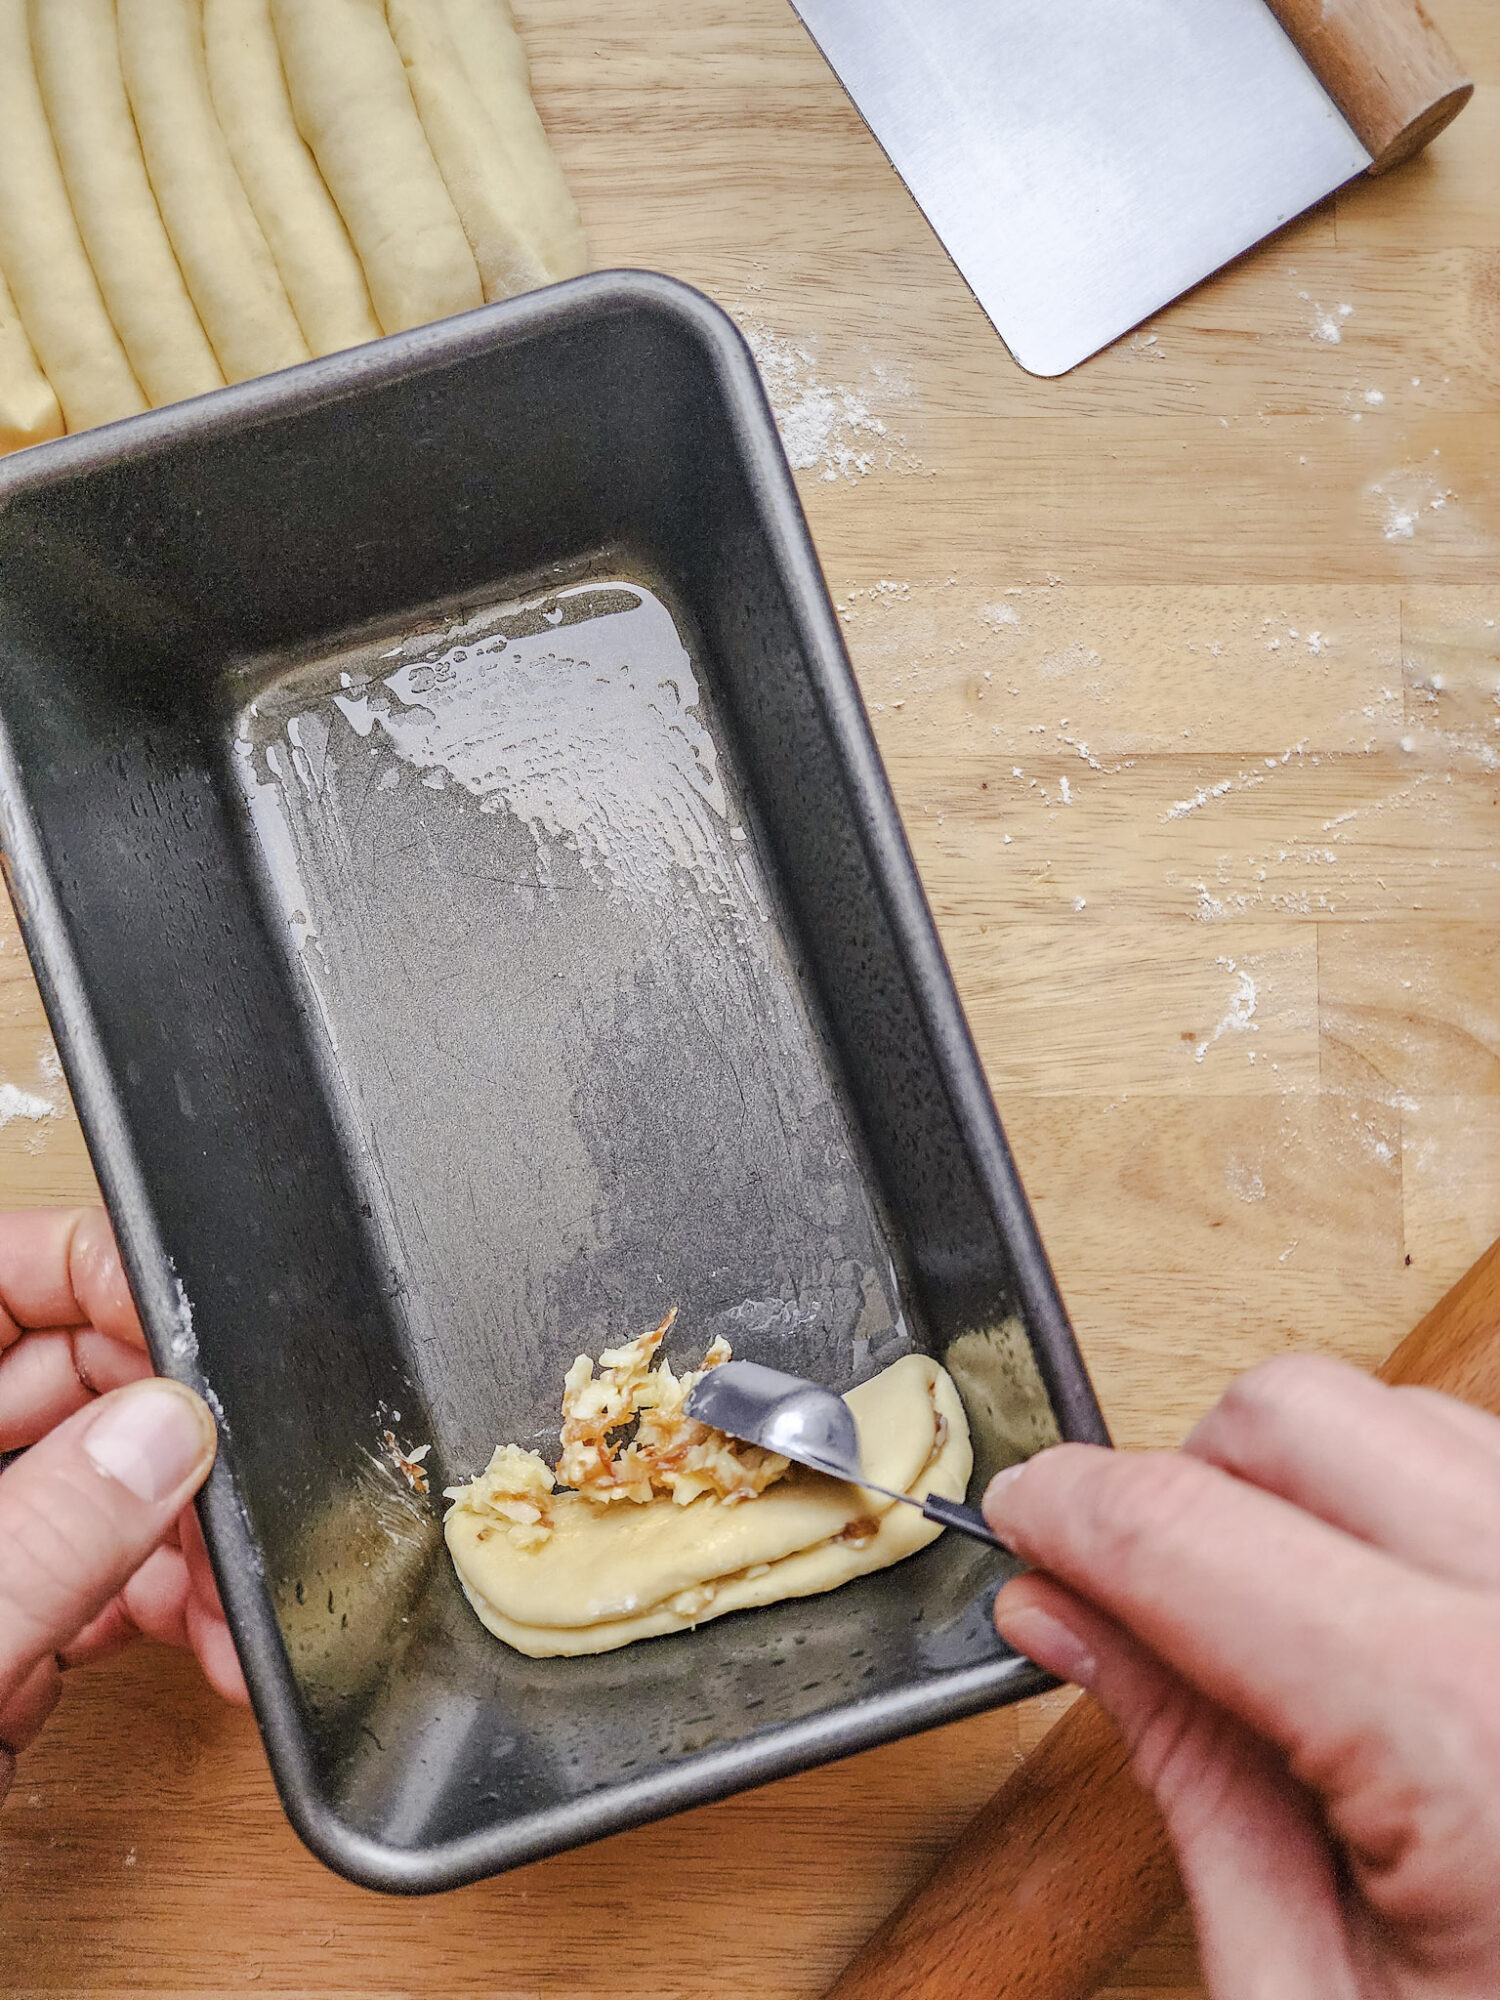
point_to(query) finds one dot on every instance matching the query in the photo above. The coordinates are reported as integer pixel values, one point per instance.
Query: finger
(1385, 1467)
(39, 1388)
(153, 1605)
(1231, 1587)
(81, 1511)
(60, 1267)
(156, 1597)
(111, 1632)
(211, 1641)
(98, 1281)
(1479, 1425)
(101, 1362)
(29, 1705)
(46, 1376)
(28, 1239)
(208, 1632)
(1257, 1867)
(200, 1569)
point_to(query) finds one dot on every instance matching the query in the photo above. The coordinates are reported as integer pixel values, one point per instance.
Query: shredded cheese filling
(666, 1454)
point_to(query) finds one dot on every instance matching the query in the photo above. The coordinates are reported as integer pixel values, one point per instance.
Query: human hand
(1295, 1622)
(98, 1544)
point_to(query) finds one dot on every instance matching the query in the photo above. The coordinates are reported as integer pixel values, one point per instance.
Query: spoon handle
(967, 1520)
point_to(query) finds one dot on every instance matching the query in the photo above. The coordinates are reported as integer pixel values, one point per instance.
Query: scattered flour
(1371, 1141)
(1200, 798)
(1074, 659)
(828, 429)
(997, 616)
(185, 1334)
(1327, 325)
(16, 1103)
(1244, 1182)
(1239, 1016)
(1400, 522)
(1405, 497)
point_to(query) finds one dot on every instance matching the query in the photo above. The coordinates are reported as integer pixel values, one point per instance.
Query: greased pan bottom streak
(474, 918)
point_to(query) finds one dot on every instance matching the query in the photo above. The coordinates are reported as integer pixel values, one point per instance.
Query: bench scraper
(1086, 161)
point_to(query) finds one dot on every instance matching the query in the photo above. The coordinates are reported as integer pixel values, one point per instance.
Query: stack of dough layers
(606, 1575)
(194, 192)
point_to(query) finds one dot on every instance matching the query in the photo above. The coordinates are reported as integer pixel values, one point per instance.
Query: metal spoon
(812, 1426)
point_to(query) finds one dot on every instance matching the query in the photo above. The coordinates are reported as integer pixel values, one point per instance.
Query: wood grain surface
(1185, 671)
(1387, 68)
(1074, 1811)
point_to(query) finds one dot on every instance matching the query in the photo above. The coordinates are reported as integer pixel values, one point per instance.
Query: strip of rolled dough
(304, 229)
(77, 51)
(628, 1572)
(51, 277)
(900, 1532)
(606, 1562)
(492, 53)
(230, 273)
(29, 412)
(492, 198)
(354, 108)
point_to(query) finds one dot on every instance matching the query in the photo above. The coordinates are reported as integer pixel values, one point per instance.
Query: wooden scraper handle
(1068, 1868)
(1385, 66)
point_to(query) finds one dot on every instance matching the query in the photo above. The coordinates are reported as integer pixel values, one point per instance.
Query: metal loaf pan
(474, 919)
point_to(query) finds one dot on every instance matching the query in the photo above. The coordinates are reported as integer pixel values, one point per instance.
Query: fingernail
(151, 1438)
(1047, 1641)
(994, 1493)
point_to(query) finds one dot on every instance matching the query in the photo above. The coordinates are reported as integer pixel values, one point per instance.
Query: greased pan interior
(474, 918)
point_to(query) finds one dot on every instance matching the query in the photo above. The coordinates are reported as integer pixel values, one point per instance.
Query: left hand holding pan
(99, 1544)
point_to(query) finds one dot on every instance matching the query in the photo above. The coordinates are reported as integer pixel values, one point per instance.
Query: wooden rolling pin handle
(1068, 1868)
(1063, 1873)
(1385, 66)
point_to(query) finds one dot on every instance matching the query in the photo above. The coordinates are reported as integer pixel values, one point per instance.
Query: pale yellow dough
(607, 1576)
(230, 272)
(484, 34)
(304, 229)
(491, 198)
(51, 278)
(77, 51)
(29, 411)
(195, 191)
(355, 110)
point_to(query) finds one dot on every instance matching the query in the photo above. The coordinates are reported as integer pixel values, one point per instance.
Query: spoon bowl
(812, 1426)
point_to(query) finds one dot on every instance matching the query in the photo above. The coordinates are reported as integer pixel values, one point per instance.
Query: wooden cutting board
(1185, 670)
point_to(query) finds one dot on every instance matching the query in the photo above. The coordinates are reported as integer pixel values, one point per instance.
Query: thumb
(82, 1510)
(1254, 1856)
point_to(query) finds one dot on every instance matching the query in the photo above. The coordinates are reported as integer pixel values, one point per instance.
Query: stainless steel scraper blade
(1085, 161)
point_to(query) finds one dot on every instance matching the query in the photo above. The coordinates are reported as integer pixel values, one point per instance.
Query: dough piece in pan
(77, 52)
(304, 229)
(899, 1532)
(492, 54)
(230, 273)
(606, 1576)
(29, 412)
(51, 277)
(491, 198)
(355, 110)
